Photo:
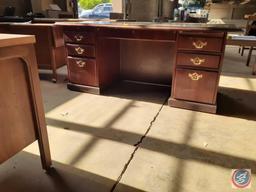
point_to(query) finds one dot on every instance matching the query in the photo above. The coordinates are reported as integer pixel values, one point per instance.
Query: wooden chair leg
(249, 56)
(239, 50)
(242, 52)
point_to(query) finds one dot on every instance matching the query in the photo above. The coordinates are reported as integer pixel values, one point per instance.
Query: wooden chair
(250, 30)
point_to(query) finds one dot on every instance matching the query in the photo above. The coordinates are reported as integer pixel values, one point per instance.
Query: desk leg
(54, 67)
(54, 75)
(254, 67)
(41, 130)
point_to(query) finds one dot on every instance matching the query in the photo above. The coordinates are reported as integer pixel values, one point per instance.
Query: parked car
(99, 11)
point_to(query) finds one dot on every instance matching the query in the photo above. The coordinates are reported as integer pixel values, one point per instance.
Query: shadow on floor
(237, 103)
(47, 75)
(182, 151)
(240, 75)
(139, 92)
(23, 173)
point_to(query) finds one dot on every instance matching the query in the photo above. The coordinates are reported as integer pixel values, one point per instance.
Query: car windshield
(94, 9)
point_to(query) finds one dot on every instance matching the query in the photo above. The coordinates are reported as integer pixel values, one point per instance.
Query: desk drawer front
(82, 71)
(79, 37)
(81, 50)
(198, 60)
(195, 85)
(200, 43)
(155, 35)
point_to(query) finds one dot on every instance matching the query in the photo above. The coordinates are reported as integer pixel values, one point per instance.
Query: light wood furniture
(189, 55)
(21, 109)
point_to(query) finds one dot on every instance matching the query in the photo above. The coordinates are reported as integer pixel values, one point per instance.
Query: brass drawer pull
(199, 44)
(197, 61)
(81, 64)
(78, 37)
(79, 50)
(195, 76)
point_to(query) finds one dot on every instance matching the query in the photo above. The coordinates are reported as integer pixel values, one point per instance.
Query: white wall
(117, 6)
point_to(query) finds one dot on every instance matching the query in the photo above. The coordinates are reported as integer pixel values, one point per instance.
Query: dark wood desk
(188, 55)
(50, 50)
(22, 119)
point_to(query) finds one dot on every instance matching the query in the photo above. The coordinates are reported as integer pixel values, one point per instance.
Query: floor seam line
(137, 146)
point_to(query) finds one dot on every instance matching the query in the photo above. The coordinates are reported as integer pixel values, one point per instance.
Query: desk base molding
(84, 88)
(192, 106)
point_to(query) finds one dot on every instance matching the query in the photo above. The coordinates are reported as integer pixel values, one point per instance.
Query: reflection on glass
(94, 9)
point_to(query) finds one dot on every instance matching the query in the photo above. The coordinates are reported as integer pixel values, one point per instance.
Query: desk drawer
(82, 71)
(81, 50)
(82, 37)
(195, 85)
(198, 60)
(198, 43)
(161, 35)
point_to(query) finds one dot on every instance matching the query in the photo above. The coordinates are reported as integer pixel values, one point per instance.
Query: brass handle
(80, 64)
(79, 50)
(197, 61)
(195, 76)
(199, 44)
(78, 37)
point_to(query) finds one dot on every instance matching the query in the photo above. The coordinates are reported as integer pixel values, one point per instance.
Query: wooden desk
(189, 55)
(248, 43)
(50, 50)
(22, 119)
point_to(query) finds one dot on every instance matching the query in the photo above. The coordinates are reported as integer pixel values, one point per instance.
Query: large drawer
(82, 37)
(81, 50)
(200, 43)
(198, 60)
(82, 71)
(195, 85)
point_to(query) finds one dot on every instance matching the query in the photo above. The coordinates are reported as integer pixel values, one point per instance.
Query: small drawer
(142, 34)
(82, 37)
(161, 35)
(82, 71)
(81, 50)
(199, 43)
(198, 60)
(195, 85)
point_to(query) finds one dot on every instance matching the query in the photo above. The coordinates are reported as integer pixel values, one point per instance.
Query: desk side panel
(16, 115)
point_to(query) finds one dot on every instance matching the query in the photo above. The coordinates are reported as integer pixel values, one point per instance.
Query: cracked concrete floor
(129, 140)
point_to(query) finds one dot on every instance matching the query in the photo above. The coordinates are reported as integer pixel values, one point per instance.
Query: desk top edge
(7, 40)
(150, 25)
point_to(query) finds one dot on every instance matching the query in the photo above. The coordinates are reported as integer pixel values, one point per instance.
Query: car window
(98, 9)
(108, 8)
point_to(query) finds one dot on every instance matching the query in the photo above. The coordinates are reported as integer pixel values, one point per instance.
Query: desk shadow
(139, 91)
(47, 75)
(237, 103)
(240, 75)
(23, 173)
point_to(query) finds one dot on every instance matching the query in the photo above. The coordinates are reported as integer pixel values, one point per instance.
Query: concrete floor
(130, 140)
